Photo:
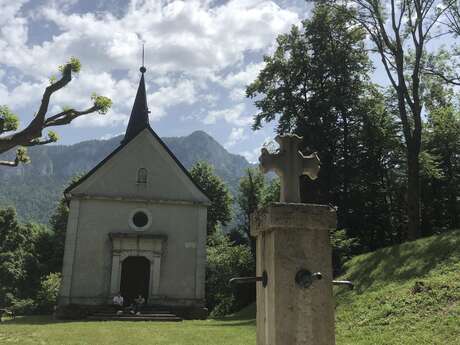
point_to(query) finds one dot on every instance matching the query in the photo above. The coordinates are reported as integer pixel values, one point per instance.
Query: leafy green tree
(250, 198)
(253, 193)
(19, 262)
(272, 191)
(317, 84)
(313, 82)
(400, 32)
(375, 204)
(48, 292)
(32, 134)
(51, 243)
(219, 212)
(441, 161)
(225, 261)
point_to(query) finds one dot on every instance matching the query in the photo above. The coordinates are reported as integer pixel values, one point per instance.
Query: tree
(272, 191)
(441, 158)
(253, 193)
(219, 212)
(317, 84)
(400, 33)
(19, 263)
(32, 134)
(250, 197)
(313, 82)
(225, 261)
(51, 244)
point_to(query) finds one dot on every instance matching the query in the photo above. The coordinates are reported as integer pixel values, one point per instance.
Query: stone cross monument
(294, 262)
(289, 164)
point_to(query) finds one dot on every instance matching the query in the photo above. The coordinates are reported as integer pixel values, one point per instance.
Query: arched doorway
(135, 278)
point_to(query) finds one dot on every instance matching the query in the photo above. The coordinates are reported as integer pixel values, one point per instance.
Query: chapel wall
(183, 257)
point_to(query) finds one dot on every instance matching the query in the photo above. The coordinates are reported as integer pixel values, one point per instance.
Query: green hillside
(406, 294)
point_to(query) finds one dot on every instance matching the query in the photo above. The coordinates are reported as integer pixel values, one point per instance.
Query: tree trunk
(413, 195)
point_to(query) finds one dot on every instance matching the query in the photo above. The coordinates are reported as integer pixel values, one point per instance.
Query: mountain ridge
(34, 189)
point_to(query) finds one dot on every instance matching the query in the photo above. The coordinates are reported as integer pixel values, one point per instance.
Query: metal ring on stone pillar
(304, 278)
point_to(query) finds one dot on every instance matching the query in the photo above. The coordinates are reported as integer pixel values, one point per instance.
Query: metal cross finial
(143, 69)
(289, 163)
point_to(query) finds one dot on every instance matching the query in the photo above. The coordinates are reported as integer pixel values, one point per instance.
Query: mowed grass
(44, 330)
(404, 295)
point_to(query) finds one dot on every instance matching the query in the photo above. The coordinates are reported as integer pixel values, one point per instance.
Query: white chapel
(137, 225)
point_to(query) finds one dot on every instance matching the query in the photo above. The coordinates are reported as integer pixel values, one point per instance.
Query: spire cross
(289, 164)
(143, 69)
(143, 46)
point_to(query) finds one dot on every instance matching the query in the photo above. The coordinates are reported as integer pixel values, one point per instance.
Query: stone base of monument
(295, 305)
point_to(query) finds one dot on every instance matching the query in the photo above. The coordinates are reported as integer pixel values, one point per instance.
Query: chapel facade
(137, 225)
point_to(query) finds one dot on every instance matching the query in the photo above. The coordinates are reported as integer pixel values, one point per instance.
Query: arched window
(142, 175)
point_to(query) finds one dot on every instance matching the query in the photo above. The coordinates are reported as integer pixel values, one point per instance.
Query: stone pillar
(155, 268)
(291, 237)
(115, 276)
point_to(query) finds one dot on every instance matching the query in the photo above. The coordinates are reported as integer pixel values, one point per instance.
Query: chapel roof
(138, 121)
(139, 118)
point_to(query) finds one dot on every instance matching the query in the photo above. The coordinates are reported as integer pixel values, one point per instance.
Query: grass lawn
(43, 330)
(405, 295)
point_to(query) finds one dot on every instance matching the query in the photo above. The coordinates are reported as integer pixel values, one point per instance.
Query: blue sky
(200, 54)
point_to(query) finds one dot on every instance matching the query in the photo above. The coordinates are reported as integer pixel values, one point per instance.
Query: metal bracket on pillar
(304, 278)
(245, 280)
(344, 282)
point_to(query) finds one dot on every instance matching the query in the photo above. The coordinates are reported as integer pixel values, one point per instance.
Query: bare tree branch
(449, 80)
(32, 134)
(35, 127)
(67, 116)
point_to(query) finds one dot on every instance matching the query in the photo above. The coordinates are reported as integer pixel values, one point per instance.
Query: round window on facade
(140, 220)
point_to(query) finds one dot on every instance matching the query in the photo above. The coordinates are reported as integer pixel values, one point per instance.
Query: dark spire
(140, 114)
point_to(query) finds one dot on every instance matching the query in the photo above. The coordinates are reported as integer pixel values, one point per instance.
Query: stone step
(134, 318)
(143, 311)
(165, 315)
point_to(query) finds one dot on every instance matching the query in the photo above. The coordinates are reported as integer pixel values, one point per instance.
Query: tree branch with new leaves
(32, 134)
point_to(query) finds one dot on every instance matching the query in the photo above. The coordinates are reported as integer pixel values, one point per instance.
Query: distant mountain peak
(34, 189)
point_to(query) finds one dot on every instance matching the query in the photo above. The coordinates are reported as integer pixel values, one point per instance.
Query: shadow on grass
(34, 320)
(230, 323)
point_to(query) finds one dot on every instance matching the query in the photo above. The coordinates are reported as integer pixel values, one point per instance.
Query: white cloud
(193, 36)
(233, 115)
(251, 156)
(237, 94)
(236, 135)
(243, 77)
(183, 92)
(188, 45)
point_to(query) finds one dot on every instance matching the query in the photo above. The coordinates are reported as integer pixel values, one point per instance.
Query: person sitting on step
(118, 302)
(139, 301)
